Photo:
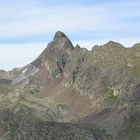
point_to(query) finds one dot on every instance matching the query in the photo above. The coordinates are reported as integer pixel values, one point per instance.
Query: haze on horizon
(27, 26)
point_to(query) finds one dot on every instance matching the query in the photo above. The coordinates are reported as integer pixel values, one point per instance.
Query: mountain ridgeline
(71, 93)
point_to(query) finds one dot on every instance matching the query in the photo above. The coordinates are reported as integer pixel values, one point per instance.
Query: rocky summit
(71, 93)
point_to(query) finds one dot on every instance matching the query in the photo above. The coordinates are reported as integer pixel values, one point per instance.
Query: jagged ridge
(71, 84)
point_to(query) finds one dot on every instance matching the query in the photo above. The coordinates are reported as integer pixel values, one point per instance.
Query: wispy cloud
(27, 18)
(18, 55)
(86, 22)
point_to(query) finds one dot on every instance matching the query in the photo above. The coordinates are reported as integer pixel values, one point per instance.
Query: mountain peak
(59, 35)
(77, 46)
(136, 45)
(113, 44)
(61, 40)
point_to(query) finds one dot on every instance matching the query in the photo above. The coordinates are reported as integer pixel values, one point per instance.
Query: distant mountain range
(70, 93)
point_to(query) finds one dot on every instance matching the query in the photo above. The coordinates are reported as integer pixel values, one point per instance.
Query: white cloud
(26, 20)
(38, 21)
(18, 55)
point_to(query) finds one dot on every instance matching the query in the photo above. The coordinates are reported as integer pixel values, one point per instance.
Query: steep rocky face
(55, 56)
(89, 94)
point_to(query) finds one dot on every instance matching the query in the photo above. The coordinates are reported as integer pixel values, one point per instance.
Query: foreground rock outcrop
(70, 93)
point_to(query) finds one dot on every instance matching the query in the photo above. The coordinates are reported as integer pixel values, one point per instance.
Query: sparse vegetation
(66, 91)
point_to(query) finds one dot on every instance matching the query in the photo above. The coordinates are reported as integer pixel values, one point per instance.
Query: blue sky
(26, 26)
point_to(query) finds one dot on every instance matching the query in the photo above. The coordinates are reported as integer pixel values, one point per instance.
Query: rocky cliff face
(71, 93)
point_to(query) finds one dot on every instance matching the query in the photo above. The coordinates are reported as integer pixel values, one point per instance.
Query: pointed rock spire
(77, 46)
(59, 35)
(61, 40)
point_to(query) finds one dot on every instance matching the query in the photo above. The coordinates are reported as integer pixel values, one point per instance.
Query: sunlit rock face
(70, 93)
